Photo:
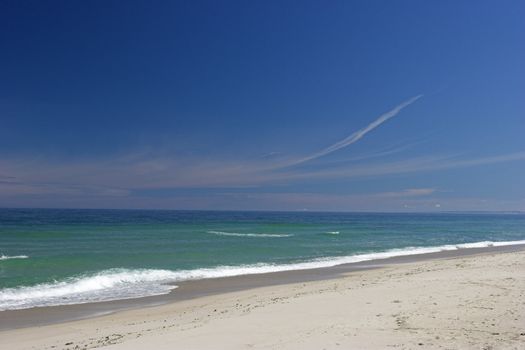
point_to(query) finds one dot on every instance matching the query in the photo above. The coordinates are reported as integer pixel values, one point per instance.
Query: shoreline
(195, 289)
(474, 301)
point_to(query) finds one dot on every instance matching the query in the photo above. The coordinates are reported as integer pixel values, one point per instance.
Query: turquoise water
(52, 257)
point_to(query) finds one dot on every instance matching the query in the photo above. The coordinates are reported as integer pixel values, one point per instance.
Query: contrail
(356, 136)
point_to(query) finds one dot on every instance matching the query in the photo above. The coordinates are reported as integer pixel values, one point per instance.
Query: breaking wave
(7, 257)
(257, 235)
(117, 284)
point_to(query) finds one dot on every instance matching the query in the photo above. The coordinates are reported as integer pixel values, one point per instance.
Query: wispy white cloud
(367, 156)
(408, 165)
(411, 192)
(119, 176)
(356, 136)
(115, 179)
(374, 202)
(16, 188)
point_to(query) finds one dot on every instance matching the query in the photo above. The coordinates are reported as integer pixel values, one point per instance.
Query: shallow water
(55, 257)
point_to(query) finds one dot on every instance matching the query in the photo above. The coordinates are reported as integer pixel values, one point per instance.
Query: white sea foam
(257, 235)
(106, 285)
(124, 283)
(7, 257)
(332, 232)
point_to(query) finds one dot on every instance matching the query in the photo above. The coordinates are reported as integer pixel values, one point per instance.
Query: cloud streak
(411, 192)
(357, 135)
(409, 165)
(119, 177)
(137, 179)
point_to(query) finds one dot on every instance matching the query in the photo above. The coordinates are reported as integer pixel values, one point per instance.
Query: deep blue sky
(216, 105)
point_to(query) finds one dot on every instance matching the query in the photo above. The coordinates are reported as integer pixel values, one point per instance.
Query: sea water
(58, 257)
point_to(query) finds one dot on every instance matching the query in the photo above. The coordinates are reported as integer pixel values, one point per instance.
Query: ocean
(59, 257)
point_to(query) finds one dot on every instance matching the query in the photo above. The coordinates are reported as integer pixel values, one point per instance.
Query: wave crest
(103, 286)
(117, 284)
(7, 257)
(257, 235)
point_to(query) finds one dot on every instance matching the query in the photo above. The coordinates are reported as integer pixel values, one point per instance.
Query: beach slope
(471, 302)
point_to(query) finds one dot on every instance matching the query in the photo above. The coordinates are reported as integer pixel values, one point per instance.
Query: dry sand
(472, 302)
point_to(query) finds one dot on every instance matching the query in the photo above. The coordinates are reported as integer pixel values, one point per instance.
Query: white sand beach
(472, 302)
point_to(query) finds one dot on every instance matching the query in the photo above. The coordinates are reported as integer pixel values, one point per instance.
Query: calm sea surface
(53, 257)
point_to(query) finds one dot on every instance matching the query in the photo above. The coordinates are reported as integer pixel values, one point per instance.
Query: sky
(391, 106)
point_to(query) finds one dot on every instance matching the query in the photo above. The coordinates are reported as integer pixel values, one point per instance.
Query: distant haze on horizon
(383, 106)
